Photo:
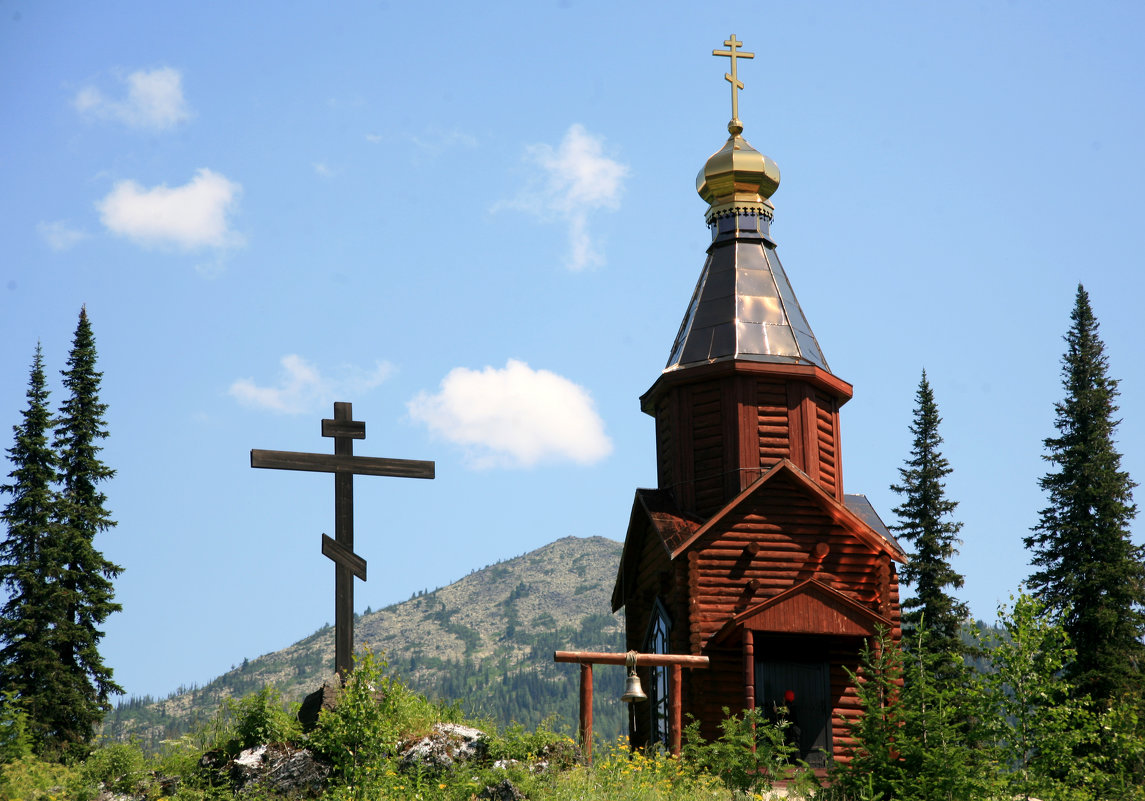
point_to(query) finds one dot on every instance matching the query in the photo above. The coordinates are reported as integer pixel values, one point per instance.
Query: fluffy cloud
(59, 235)
(514, 417)
(575, 179)
(154, 101)
(302, 388)
(191, 216)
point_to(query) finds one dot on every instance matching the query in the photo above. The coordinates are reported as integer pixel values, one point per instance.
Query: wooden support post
(586, 711)
(748, 669)
(676, 663)
(749, 676)
(675, 716)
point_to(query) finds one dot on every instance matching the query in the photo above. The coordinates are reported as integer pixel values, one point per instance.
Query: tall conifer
(85, 574)
(30, 670)
(925, 522)
(1088, 571)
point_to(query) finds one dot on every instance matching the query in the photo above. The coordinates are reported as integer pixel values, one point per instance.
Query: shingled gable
(837, 511)
(807, 608)
(651, 510)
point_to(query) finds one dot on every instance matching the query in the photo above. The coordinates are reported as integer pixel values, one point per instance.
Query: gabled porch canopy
(807, 608)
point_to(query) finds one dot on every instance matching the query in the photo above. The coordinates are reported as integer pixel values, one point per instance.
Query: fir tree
(926, 525)
(29, 666)
(1089, 574)
(85, 575)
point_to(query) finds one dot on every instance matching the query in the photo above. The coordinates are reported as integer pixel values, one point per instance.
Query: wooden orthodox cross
(344, 465)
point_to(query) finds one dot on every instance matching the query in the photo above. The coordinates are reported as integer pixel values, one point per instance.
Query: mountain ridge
(484, 641)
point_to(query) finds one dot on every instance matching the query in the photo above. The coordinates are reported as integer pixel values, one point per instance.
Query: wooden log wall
(726, 578)
(714, 438)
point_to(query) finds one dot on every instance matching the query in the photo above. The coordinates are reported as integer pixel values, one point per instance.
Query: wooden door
(809, 713)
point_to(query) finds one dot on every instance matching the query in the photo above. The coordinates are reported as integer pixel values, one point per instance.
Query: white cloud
(324, 170)
(59, 235)
(190, 217)
(514, 417)
(154, 101)
(576, 179)
(302, 388)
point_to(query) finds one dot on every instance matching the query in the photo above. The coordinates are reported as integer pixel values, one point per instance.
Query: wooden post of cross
(344, 465)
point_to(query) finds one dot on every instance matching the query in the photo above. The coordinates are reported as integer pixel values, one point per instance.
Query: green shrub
(120, 767)
(15, 742)
(30, 778)
(363, 726)
(260, 718)
(517, 742)
(749, 755)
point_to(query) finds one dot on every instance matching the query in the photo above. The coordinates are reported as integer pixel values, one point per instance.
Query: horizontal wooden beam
(642, 660)
(329, 463)
(344, 557)
(354, 429)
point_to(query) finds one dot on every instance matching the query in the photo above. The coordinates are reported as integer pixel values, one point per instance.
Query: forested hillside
(485, 641)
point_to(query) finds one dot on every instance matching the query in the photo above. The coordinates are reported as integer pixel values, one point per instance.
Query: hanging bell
(633, 692)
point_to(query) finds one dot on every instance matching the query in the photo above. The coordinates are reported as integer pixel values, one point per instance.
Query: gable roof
(879, 541)
(810, 607)
(651, 509)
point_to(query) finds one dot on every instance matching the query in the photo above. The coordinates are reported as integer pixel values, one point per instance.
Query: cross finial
(732, 77)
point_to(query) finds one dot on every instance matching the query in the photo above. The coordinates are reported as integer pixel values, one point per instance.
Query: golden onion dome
(738, 177)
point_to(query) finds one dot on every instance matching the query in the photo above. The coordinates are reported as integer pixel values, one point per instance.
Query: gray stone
(446, 745)
(281, 769)
(504, 791)
(326, 697)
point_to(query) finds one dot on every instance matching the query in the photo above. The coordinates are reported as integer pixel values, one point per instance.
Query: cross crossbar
(333, 463)
(341, 556)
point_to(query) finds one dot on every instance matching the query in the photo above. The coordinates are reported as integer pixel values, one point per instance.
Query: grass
(361, 739)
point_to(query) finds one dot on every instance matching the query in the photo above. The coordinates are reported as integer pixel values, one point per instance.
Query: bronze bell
(633, 692)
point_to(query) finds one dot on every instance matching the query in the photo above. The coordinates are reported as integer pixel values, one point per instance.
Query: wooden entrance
(803, 688)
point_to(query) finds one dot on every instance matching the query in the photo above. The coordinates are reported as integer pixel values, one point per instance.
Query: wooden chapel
(748, 551)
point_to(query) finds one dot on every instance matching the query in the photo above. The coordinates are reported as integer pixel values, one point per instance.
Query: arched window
(656, 642)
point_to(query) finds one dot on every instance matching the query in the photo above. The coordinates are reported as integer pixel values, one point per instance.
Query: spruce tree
(85, 574)
(1089, 574)
(925, 524)
(30, 670)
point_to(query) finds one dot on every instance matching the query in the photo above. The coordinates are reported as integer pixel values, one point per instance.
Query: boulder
(326, 697)
(280, 769)
(447, 745)
(505, 791)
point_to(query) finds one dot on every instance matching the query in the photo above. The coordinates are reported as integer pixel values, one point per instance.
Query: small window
(657, 643)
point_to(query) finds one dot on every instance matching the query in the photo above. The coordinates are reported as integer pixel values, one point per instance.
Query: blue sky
(478, 224)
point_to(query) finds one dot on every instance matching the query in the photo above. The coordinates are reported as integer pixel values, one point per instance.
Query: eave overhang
(837, 511)
(810, 607)
(813, 375)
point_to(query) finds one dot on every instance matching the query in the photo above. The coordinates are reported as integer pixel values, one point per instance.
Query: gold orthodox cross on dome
(732, 77)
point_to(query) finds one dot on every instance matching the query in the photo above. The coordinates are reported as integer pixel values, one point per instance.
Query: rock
(326, 697)
(213, 766)
(505, 791)
(280, 769)
(447, 744)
